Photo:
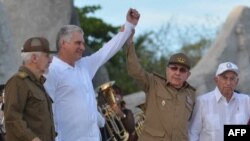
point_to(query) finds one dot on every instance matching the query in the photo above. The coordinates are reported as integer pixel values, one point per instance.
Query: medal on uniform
(163, 102)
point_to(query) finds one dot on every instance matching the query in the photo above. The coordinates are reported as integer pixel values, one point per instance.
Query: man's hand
(118, 111)
(133, 16)
(36, 139)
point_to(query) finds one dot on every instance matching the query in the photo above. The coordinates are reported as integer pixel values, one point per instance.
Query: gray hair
(65, 33)
(26, 56)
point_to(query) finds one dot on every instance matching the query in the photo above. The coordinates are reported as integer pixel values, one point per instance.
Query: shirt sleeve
(135, 69)
(109, 49)
(196, 122)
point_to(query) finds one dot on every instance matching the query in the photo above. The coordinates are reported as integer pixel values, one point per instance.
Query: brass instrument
(106, 93)
(108, 125)
(140, 116)
(139, 124)
(106, 99)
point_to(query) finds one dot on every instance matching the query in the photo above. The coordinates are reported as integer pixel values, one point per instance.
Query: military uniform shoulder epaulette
(22, 74)
(194, 89)
(159, 76)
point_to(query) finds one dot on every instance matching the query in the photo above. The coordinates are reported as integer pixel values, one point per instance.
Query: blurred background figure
(110, 99)
(2, 130)
(128, 116)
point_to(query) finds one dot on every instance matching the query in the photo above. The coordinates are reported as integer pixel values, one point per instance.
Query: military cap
(36, 44)
(181, 59)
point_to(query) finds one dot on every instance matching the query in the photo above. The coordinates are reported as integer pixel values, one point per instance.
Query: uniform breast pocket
(36, 102)
(38, 96)
(163, 103)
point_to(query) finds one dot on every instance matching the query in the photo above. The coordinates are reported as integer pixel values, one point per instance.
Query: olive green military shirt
(167, 109)
(27, 110)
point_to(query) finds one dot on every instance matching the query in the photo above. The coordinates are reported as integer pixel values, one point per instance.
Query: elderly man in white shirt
(69, 81)
(219, 107)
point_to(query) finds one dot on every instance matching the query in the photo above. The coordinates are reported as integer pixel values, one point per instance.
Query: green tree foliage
(189, 39)
(196, 50)
(147, 58)
(96, 31)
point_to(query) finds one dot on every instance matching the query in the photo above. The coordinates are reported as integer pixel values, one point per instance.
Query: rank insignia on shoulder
(22, 74)
(160, 76)
(189, 100)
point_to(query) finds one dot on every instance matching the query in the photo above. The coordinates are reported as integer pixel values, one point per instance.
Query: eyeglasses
(175, 68)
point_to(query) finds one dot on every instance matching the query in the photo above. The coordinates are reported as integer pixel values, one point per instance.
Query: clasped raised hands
(133, 16)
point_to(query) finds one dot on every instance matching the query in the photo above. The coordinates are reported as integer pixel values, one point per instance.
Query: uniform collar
(31, 75)
(62, 65)
(167, 83)
(185, 85)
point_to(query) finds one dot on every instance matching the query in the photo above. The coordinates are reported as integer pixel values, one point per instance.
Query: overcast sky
(154, 13)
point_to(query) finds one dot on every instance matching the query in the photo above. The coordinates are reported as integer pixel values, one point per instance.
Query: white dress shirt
(212, 112)
(71, 89)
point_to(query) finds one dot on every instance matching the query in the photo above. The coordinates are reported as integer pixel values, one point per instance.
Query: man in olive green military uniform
(169, 101)
(27, 110)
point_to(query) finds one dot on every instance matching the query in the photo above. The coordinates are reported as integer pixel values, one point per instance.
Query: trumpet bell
(107, 93)
(104, 86)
